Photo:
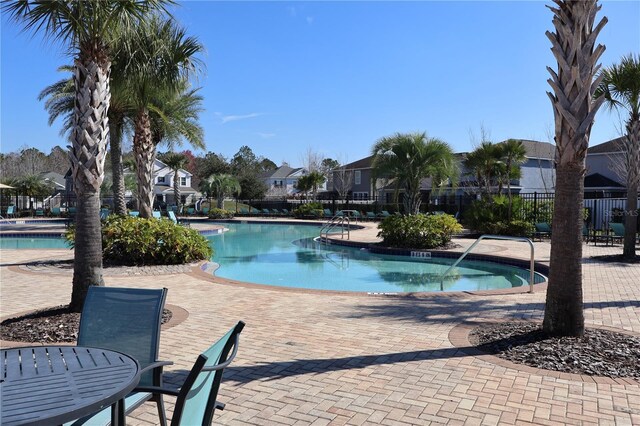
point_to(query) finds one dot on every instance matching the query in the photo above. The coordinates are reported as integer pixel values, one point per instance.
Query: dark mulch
(598, 353)
(616, 258)
(50, 325)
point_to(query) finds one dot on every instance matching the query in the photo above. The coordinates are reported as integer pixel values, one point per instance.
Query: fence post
(535, 206)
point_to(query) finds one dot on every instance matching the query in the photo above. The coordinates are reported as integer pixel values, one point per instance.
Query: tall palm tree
(621, 89)
(409, 158)
(168, 60)
(175, 161)
(574, 108)
(221, 186)
(59, 101)
(33, 186)
(513, 155)
(89, 27)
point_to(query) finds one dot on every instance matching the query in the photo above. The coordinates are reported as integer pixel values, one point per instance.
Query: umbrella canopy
(3, 186)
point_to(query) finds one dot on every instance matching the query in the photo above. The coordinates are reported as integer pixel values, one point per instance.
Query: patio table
(50, 385)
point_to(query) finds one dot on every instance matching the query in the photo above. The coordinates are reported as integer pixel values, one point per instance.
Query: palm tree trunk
(508, 165)
(220, 201)
(633, 178)
(176, 190)
(563, 311)
(115, 139)
(145, 153)
(87, 155)
(574, 109)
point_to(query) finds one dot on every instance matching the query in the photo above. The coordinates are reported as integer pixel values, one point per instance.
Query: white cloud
(229, 118)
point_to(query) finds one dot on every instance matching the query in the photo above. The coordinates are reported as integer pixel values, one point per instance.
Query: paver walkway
(326, 358)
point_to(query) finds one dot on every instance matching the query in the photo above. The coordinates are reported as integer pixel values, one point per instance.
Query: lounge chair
(371, 216)
(191, 211)
(276, 212)
(104, 214)
(205, 211)
(126, 320)
(196, 401)
(39, 212)
(134, 213)
(286, 212)
(327, 214)
(56, 212)
(543, 229)
(243, 212)
(266, 212)
(11, 211)
(384, 214)
(617, 232)
(255, 212)
(157, 214)
(174, 219)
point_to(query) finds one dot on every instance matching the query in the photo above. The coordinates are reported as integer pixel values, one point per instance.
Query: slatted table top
(55, 384)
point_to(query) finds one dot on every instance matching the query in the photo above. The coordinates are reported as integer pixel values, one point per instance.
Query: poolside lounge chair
(543, 229)
(243, 212)
(617, 230)
(134, 213)
(286, 212)
(104, 214)
(276, 212)
(126, 320)
(255, 212)
(266, 212)
(174, 219)
(55, 212)
(371, 216)
(196, 401)
(205, 211)
(157, 214)
(384, 214)
(191, 211)
(11, 211)
(39, 212)
(327, 214)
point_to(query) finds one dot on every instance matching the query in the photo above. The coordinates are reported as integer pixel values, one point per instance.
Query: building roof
(281, 172)
(536, 149)
(614, 145)
(364, 163)
(596, 180)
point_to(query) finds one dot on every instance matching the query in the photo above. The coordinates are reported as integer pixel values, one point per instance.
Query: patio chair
(157, 214)
(134, 213)
(126, 320)
(276, 212)
(174, 219)
(371, 216)
(243, 212)
(327, 214)
(11, 211)
(39, 212)
(286, 212)
(191, 211)
(104, 214)
(255, 212)
(205, 211)
(56, 212)
(617, 230)
(543, 229)
(196, 399)
(384, 214)
(266, 212)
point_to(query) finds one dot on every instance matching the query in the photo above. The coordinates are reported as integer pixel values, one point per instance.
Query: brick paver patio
(310, 358)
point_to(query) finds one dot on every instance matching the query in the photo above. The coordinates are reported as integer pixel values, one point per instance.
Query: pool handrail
(498, 237)
(334, 223)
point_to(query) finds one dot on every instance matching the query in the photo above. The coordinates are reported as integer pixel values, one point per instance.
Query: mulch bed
(50, 325)
(598, 353)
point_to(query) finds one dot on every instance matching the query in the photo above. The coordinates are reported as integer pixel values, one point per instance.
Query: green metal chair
(39, 212)
(126, 320)
(617, 230)
(384, 214)
(196, 400)
(543, 229)
(371, 216)
(56, 212)
(205, 211)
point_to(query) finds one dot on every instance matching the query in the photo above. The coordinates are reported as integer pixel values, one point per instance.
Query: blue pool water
(286, 255)
(33, 243)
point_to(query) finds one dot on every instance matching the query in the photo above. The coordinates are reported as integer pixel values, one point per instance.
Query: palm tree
(60, 102)
(574, 47)
(168, 58)
(513, 155)
(316, 179)
(221, 186)
(175, 161)
(89, 27)
(621, 89)
(33, 186)
(485, 163)
(409, 158)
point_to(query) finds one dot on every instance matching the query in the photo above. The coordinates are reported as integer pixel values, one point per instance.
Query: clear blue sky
(333, 77)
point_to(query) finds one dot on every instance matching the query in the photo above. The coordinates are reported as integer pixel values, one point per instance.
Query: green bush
(515, 228)
(216, 213)
(492, 217)
(309, 209)
(418, 231)
(137, 241)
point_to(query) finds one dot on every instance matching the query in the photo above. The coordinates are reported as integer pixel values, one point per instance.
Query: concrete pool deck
(329, 358)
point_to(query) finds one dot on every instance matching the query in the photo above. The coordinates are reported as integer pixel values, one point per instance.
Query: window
(183, 181)
(358, 177)
(160, 179)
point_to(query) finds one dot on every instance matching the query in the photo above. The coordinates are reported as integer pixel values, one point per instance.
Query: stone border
(179, 315)
(459, 337)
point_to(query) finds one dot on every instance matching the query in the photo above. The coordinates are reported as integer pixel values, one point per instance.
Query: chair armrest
(156, 389)
(155, 365)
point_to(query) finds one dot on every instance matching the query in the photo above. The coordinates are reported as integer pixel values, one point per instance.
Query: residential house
(354, 180)
(605, 176)
(282, 181)
(163, 186)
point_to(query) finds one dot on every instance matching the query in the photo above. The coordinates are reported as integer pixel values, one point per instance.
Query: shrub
(492, 217)
(515, 228)
(136, 241)
(216, 213)
(309, 209)
(418, 231)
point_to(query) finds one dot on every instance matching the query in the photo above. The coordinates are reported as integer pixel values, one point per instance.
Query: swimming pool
(26, 242)
(287, 256)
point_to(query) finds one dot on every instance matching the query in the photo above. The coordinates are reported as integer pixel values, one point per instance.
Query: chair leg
(161, 412)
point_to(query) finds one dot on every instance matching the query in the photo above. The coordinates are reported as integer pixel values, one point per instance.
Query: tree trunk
(509, 213)
(574, 109)
(563, 310)
(87, 155)
(145, 153)
(633, 178)
(115, 139)
(220, 201)
(176, 190)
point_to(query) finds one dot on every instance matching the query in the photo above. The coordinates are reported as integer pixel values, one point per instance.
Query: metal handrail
(334, 223)
(498, 237)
